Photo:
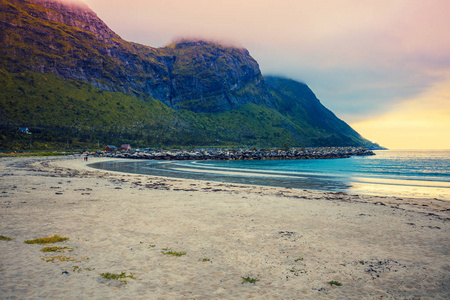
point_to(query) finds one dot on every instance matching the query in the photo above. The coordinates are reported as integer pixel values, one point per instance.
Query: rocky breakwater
(242, 154)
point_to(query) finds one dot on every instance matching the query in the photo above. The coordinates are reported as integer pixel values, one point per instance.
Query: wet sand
(293, 242)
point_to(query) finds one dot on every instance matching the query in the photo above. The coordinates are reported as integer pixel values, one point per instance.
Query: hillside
(317, 124)
(75, 83)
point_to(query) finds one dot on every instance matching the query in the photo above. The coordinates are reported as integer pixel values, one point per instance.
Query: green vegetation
(298, 259)
(71, 114)
(318, 125)
(47, 240)
(56, 249)
(204, 259)
(36, 153)
(120, 277)
(78, 269)
(336, 283)
(172, 253)
(5, 238)
(68, 114)
(249, 280)
(63, 258)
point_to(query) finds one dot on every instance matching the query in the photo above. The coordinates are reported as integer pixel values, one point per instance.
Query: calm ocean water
(424, 174)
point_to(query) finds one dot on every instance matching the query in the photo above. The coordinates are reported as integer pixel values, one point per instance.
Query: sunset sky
(382, 66)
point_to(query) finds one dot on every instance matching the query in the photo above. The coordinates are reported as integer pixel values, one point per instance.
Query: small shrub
(172, 253)
(63, 258)
(336, 283)
(361, 262)
(5, 238)
(47, 240)
(56, 249)
(204, 259)
(249, 280)
(152, 246)
(58, 257)
(120, 277)
(78, 269)
(298, 259)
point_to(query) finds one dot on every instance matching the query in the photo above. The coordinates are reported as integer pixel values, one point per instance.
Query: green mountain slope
(75, 83)
(317, 124)
(72, 113)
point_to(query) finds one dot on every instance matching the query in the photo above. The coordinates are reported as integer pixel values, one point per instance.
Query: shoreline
(338, 183)
(293, 241)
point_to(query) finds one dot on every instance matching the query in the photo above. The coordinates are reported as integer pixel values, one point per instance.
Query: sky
(382, 66)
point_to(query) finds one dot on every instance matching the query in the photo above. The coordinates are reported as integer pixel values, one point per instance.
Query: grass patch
(63, 258)
(5, 238)
(78, 269)
(47, 240)
(249, 280)
(298, 259)
(120, 277)
(151, 246)
(336, 283)
(56, 249)
(172, 253)
(37, 153)
(204, 259)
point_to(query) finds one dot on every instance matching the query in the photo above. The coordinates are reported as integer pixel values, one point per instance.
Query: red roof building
(125, 147)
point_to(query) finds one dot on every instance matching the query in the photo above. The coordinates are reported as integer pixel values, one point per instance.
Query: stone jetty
(240, 154)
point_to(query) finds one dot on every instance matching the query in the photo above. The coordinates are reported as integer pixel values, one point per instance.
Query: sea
(399, 173)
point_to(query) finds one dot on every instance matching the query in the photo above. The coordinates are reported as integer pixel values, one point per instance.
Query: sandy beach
(232, 241)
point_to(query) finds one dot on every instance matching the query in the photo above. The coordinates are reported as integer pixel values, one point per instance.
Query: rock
(306, 153)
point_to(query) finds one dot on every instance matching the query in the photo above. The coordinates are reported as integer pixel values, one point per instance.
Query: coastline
(293, 241)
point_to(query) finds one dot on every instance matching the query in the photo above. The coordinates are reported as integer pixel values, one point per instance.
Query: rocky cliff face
(69, 40)
(210, 77)
(73, 13)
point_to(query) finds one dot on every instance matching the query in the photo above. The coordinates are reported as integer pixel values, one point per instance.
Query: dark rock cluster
(242, 154)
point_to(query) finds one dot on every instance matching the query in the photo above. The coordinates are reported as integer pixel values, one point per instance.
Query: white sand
(377, 247)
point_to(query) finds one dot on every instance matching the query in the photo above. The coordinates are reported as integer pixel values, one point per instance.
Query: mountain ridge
(182, 76)
(212, 93)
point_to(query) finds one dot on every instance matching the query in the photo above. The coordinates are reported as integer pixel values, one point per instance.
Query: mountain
(69, 40)
(74, 82)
